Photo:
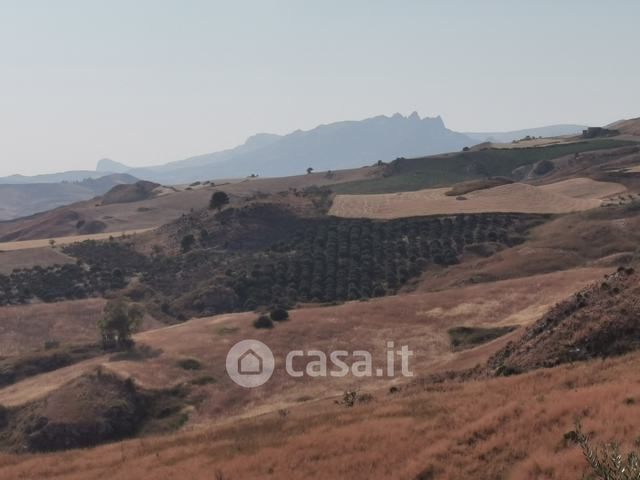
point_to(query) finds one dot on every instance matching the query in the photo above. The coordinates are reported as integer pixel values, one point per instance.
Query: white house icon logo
(250, 363)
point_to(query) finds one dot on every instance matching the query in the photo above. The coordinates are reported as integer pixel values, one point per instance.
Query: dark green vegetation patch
(103, 266)
(328, 260)
(462, 338)
(309, 260)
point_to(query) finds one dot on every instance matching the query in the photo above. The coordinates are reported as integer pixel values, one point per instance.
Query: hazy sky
(151, 81)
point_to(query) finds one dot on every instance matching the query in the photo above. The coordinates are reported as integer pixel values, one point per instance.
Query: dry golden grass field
(583, 188)
(562, 197)
(514, 428)
(25, 328)
(418, 320)
(58, 241)
(11, 259)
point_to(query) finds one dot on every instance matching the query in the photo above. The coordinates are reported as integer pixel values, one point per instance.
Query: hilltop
(627, 127)
(24, 199)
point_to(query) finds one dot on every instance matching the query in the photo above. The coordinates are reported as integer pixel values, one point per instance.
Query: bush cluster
(101, 266)
(354, 259)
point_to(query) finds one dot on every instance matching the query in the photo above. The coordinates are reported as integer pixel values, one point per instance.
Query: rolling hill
(506, 137)
(529, 290)
(23, 199)
(627, 127)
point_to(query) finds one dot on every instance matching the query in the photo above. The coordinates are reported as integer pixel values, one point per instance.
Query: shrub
(189, 364)
(204, 380)
(4, 417)
(218, 200)
(607, 462)
(263, 322)
(279, 314)
(351, 397)
(507, 371)
(51, 344)
(468, 337)
(187, 242)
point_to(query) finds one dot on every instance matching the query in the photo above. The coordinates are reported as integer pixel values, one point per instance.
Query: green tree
(119, 321)
(218, 200)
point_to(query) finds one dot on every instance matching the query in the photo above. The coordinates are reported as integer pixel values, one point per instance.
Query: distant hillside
(340, 145)
(127, 193)
(407, 174)
(507, 137)
(627, 127)
(71, 176)
(19, 200)
(109, 166)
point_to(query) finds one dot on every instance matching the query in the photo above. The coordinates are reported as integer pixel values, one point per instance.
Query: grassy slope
(507, 428)
(426, 172)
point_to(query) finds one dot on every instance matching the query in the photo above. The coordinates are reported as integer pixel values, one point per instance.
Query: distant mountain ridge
(70, 176)
(339, 145)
